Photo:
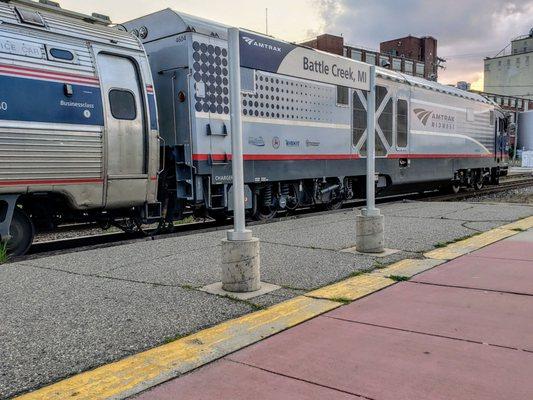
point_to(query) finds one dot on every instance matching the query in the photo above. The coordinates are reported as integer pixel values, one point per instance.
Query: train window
(491, 118)
(359, 117)
(122, 104)
(343, 94)
(30, 17)
(385, 121)
(55, 54)
(381, 92)
(402, 124)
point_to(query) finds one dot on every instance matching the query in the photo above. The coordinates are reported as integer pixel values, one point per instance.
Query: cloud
(288, 19)
(467, 31)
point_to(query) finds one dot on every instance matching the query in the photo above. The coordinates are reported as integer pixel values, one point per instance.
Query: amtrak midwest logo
(432, 119)
(254, 42)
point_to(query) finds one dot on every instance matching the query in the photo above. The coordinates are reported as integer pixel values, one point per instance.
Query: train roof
(95, 27)
(169, 22)
(430, 85)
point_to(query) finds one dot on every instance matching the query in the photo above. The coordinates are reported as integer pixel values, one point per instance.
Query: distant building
(421, 49)
(463, 85)
(417, 65)
(512, 74)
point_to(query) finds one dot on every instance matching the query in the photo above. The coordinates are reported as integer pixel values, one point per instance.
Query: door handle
(162, 141)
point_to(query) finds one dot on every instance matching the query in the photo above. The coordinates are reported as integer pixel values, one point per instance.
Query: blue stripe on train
(36, 100)
(153, 111)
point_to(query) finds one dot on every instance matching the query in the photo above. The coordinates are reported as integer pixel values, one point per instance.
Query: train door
(126, 130)
(500, 138)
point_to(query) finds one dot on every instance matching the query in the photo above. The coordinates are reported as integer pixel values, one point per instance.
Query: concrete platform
(66, 314)
(412, 340)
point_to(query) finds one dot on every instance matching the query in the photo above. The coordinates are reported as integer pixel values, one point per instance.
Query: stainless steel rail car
(304, 139)
(78, 122)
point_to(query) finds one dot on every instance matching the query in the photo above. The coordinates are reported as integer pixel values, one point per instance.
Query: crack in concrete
(111, 278)
(299, 379)
(423, 333)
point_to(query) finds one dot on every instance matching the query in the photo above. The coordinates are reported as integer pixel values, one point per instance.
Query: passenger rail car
(78, 122)
(304, 140)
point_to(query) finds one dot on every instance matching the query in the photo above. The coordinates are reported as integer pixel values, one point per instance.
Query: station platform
(114, 322)
(461, 330)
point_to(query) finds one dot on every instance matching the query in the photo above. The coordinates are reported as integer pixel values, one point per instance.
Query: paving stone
(512, 276)
(229, 380)
(389, 364)
(501, 319)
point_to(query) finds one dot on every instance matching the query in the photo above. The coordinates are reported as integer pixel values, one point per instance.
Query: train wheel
(335, 204)
(22, 232)
(478, 184)
(265, 213)
(455, 188)
(264, 210)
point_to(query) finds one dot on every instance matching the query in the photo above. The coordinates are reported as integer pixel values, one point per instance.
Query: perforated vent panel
(210, 66)
(285, 98)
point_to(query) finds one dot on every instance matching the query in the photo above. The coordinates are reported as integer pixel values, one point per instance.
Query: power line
(467, 55)
(509, 86)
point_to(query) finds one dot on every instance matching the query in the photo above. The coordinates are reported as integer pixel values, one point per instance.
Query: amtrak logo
(435, 120)
(253, 42)
(256, 141)
(423, 115)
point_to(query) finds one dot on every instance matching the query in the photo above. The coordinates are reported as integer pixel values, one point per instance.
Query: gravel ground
(522, 196)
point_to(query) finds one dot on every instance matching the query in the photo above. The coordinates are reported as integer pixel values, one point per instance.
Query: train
(91, 143)
(78, 123)
(304, 140)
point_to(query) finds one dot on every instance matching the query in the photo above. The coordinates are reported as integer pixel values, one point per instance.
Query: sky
(466, 30)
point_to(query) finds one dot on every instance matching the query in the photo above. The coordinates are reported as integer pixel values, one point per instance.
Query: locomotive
(304, 139)
(90, 143)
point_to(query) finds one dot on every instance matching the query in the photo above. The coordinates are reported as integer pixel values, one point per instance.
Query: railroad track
(95, 241)
(505, 185)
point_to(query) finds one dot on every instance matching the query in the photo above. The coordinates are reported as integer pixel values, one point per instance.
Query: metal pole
(369, 225)
(371, 147)
(239, 232)
(266, 20)
(515, 149)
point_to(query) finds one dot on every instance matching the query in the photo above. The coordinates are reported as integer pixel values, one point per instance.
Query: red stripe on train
(458, 155)
(261, 157)
(51, 182)
(51, 74)
(274, 157)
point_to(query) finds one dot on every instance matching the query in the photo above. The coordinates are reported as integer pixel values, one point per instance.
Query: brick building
(422, 49)
(419, 61)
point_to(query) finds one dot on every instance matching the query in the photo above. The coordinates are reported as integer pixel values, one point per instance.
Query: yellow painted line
(408, 267)
(352, 288)
(469, 245)
(525, 224)
(131, 375)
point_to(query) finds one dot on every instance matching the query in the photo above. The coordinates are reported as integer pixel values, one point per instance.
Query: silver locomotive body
(305, 139)
(78, 120)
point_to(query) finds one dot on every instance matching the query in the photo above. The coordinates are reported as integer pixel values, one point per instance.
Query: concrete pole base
(240, 265)
(369, 233)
